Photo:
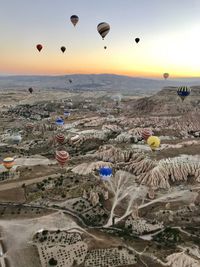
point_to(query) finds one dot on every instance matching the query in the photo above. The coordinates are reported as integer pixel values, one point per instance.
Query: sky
(169, 32)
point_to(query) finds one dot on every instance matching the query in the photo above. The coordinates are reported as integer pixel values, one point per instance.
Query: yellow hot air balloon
(8, 163)
(153, 142)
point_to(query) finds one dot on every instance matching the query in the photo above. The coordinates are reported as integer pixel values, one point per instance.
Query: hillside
(166, 102)
(100, 82)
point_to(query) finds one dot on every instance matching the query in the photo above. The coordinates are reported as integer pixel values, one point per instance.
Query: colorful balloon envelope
(39, 47)
(153, 142)
(166, 75)
(105, 173)
(60, 122)
(137, 40)
(8, 163)
(63, 49)
(62, 157)
(183, 92)
(103, 29)
(60, 138)
(74, 19)
(146, 133)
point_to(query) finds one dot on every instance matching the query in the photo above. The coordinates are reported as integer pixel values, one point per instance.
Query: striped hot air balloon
(8, 163)
(62, 157)
(60, 138)
(183, 92)
(146, 133)
(103, 29)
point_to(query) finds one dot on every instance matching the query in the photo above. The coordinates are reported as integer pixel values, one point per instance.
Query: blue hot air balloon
(105, 173)
(66, 113)
(59, 122)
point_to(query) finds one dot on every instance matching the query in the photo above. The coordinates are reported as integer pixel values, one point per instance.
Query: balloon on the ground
(39, 47)
(62, 157)
(103, 29)
(166, 75)
(63, 48)
(105, 173)
(8, 163)
(183, 92)
(153, 142)
(74, 19)
(137, 40)
(146, 133)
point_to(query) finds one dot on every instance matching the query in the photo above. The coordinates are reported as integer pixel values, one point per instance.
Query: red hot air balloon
(63, 49)
(146, 133)
(60, 138)
(166, 75)
(62, 157)
(39, 47)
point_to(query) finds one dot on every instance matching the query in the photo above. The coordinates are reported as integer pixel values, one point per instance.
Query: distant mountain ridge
(108, 82)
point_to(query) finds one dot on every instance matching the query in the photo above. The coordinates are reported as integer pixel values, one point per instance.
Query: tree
(53, 262)
(122, 186)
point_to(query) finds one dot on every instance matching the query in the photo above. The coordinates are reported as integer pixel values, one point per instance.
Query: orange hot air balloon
(39, 47)
(8, 163)
(62, 157)
(60, 138)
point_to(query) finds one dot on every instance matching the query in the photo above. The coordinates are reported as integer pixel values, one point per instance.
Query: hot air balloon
(30, 90)
(74, 19)
(103, 29)
(59, 122)
(146, 133)
(62, 157)
(8, 163)
(137, 40)
(105, 47)
(165, 75)
(60, 138)
(105, 173)
(183, 92)
(63, 49)
(153, 142)
(39, 47)
(16, 138)
(66, 113)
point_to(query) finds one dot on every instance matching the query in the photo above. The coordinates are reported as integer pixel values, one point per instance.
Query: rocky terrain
(147, 214)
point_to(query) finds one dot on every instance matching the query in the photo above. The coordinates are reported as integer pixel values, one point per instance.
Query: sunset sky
(169, 32)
